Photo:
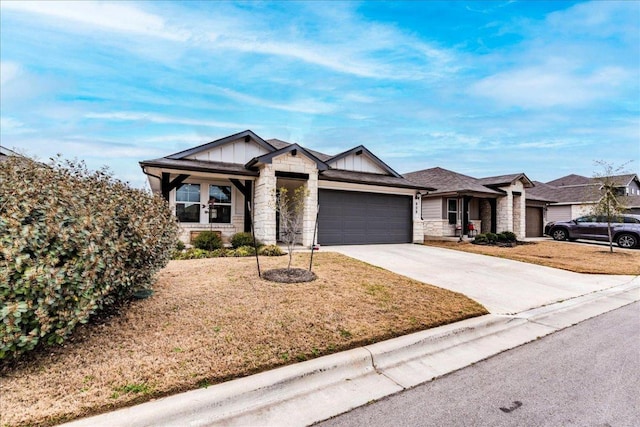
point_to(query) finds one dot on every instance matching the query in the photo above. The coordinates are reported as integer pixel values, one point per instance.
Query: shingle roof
(572, 179)
(503, 180)
(200, 166)
(576, 189)
(291, 148)
(446, 181)
(631, 201)
(571, 194)
(279, 144)
(178, 162)
(542, 192)
(369, 178)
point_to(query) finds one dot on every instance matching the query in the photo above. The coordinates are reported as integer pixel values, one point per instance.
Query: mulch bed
(291, 275)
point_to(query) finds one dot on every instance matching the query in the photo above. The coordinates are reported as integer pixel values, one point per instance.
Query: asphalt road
(586, 375)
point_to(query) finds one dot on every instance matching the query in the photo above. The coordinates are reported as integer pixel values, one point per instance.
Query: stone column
(504, 212)
(310, 208)
(264, 200)
(485, 216)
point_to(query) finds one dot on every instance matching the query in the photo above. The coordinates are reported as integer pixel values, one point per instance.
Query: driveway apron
(502, 286)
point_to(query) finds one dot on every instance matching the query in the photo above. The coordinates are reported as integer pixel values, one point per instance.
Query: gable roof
(291, 148)
(278, 144)
(360, 149)
(446, 181)
(276, 147)
(504, 180)
(247, 134)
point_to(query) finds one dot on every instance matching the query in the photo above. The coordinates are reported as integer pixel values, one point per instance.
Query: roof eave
(247, 133)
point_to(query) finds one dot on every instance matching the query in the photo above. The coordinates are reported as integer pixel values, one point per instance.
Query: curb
(312, 391)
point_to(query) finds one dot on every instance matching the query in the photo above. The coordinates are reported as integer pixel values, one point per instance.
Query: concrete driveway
(502, 286)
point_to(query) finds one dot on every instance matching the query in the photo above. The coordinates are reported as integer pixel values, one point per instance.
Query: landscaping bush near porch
(211, 320)
(71, 243)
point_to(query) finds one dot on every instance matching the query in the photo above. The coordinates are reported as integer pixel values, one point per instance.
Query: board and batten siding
(432, 208)
(234, 152)
(357, 163)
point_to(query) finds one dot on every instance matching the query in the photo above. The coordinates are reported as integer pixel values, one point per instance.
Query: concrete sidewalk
(312, 391)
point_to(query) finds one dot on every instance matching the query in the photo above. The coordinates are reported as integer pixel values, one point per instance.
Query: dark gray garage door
(352, 218)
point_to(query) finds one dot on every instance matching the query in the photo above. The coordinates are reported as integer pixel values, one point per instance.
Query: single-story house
(224, 185)
(5, 152)
(464, 204)
(575, 195)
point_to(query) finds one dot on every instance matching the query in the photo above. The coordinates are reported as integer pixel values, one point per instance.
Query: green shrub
(71, 243)
(243, 239)
(492, 237)
(244, 251)
(270, 250)
(501, 237)
(208, 240)
(480, 239)
(193, 253)
(219, 253)
(179, 245)
(509, 236)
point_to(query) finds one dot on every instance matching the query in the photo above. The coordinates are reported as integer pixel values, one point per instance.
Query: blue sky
(482, 88)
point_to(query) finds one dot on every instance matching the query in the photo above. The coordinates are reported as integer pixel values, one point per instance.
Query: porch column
(504, 212)
(310, 209)
(264, 211)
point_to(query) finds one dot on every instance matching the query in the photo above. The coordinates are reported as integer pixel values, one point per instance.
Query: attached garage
(534, 222)
(354, 218)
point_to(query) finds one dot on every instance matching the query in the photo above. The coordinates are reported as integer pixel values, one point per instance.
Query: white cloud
(550, 86)
(162, 119)
(11, 126)
(597, 19)
(309, 106)
(117, 17)
(8, 71)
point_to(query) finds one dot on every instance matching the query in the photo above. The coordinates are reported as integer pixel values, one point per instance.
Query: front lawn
(580, 258)
(211, 320)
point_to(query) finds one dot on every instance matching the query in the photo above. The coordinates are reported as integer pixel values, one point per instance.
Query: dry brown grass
(581, 258)
(213, 320)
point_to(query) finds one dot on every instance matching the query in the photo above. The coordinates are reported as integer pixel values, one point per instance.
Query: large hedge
(72, 242)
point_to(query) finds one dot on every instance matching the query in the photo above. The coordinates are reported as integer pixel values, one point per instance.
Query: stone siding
(264, 199)
(485, 216)
(265, 196)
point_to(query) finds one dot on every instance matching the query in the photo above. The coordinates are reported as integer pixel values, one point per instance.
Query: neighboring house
(5, 152)
(493, 204)
(222, 185)
(576, 195)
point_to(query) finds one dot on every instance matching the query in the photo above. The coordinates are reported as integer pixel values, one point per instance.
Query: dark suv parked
(625, 229)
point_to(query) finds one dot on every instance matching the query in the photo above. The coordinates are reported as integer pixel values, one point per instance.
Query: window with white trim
(452, 211)
(220, 204)
(188, 203)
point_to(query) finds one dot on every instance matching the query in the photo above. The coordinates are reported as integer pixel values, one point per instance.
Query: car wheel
(627, 240)
(559, 234)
